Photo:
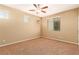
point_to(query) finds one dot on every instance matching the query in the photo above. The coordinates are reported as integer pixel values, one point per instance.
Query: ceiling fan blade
(43, 11)
(35, 5)
(32, 10)
(44, 7)
(38, 4)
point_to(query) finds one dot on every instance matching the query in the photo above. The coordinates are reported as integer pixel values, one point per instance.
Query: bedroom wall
(78, 26)
(68, 27)
(14, 28)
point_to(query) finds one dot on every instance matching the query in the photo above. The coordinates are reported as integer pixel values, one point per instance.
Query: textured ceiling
(52, 8)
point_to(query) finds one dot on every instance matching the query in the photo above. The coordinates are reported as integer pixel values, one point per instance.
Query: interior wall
(14, 28)
(78, 26)
(68, 27)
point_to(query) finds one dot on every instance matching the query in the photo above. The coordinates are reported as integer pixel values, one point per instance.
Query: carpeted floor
(40, 46)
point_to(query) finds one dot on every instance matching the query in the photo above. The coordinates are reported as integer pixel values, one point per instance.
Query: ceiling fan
(39, 8)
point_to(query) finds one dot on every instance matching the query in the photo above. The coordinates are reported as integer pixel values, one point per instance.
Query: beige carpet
(40, 46)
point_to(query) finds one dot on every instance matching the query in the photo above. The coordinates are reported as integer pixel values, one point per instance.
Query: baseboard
(20, 41)
(36, 38)
(61, 40)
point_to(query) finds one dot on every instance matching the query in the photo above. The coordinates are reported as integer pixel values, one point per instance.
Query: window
(3, 15)
(54, 24)
(26, 19)
(50, 25)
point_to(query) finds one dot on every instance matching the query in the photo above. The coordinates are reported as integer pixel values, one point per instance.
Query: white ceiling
(52, 8)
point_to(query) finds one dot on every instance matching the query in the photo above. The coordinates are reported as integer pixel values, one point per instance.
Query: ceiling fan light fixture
(39, 8)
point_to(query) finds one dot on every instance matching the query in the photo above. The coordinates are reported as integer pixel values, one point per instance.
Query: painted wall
(78, 26)
(15, 29)
(68, 27)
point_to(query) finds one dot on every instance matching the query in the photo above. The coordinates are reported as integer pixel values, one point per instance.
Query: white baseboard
(61, 40)
(31, 38)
